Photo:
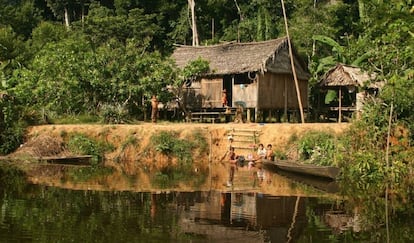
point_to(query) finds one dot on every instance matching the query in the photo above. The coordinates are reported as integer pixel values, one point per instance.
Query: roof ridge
(233, 43)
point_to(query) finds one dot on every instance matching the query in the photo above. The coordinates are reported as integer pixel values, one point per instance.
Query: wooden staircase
(244, 140)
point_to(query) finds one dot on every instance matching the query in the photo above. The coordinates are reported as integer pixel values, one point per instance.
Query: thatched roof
(345, 75)
(235, 58)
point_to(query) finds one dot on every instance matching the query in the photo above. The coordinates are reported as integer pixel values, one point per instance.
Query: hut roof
(235, 58)
(345, 75)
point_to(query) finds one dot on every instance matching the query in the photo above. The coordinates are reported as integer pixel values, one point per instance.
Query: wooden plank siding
(246, 93)
(274, 87)
(211, 90)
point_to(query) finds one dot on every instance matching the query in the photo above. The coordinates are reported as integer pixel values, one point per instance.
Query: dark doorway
(228, 86)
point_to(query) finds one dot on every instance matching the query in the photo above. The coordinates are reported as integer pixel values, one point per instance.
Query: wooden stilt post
(286, 101)
(340, 106)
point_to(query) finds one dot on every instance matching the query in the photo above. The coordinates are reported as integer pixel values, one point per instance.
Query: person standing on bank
(154, 108)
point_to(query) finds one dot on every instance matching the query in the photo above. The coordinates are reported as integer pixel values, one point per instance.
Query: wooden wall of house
(204, 93)
(211, 90)
(272, 89)
(266, 92)
(246, 93)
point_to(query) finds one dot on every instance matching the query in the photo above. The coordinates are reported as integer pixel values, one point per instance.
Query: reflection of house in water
(250, 217)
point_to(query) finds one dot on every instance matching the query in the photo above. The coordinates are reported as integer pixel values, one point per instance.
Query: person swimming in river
(233, 159)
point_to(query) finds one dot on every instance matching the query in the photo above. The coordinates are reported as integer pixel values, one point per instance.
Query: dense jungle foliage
(104, 59)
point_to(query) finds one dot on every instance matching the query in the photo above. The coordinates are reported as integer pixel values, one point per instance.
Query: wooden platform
(213, 115)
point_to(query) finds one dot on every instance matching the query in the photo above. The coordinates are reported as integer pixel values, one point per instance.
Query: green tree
(103, 24)
(21, 15)
(47, 33)
(12, 50)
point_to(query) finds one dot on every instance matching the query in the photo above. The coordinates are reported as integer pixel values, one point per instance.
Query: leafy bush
(164, 142)
(317, 147)
(11, 126)
(195, 68)
(367, 170)
(83, 145)
(12, 137)
(114, 114)
(33, 117)
(168, 143)
(76, 119)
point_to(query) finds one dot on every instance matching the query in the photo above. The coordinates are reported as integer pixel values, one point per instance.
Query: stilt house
(257, 76)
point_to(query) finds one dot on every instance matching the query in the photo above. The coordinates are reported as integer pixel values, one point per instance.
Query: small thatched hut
(255, 75)
(350, 86)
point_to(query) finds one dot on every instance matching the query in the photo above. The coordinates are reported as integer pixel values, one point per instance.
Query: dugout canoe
(330, 172)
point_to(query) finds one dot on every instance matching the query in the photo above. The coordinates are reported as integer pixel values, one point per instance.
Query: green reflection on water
(46, 214)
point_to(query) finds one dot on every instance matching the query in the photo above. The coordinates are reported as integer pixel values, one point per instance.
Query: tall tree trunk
(238, 10)
(191, 4)
(83, 14)
(314, 41)
(66, 18)
(241, 19)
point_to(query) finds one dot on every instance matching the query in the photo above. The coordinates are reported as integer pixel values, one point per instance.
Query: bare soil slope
(276, 134)
(47, 140)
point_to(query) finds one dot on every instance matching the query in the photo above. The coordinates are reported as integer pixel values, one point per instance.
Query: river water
(35, 213)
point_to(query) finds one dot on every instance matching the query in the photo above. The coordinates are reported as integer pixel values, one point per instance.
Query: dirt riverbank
(276, 134)
(125, 158)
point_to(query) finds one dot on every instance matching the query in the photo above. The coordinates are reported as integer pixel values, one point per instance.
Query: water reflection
(44, 214)
(242, 216)
(323, 184)
(33, 213)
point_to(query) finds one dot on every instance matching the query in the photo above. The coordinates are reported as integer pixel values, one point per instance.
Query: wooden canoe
(330, 172)
(69, 160)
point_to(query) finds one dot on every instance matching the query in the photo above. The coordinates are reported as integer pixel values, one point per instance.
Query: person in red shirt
(224, 98)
